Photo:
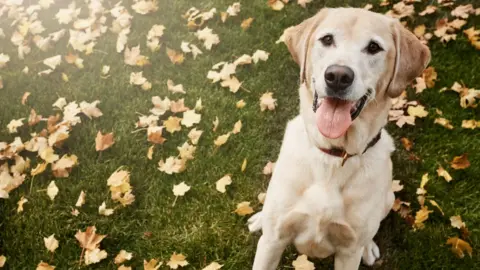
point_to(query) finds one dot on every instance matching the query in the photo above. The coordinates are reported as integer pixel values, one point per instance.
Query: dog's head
(351, 57)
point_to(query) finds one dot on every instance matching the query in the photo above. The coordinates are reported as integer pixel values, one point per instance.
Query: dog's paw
(255, 222)
(371, 253)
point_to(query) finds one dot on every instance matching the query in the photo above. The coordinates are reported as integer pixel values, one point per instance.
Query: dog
(331, 186)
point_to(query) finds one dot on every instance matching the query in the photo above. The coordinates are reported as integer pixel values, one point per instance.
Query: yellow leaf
(20, 204)
(103, 142)
(175, 57)
(186, 151)
(232, 83)
(434, 203)
(151, 265)
(154, 135)
(244, 209)
(51, 243)
(244, 165)
(103, 210)
(443, 173)
(419, 31)
(89, 239)
(223, 182)
(237, 127)
(396, 187)
(406, 143)
(94, 256)
(443, 122)
(246, 23)
(150, 152)
(456, 222)
(302, 263)
(460, 162)
(194, 135)
(171, 165)
(261, 197)
(3, 259)
(267, 102)
(276, 4)
(44, 266)
(471, 124)
(417, 111)
(123, 256)
(64, 77)
(52, 190)
(177, 260)
(81, 199)
(180, 189)
(213, 266)
(172, 124)
(190, 118)
(222, 139)
(459, 247)
(240, 104)
(25, 97)
(421, 216)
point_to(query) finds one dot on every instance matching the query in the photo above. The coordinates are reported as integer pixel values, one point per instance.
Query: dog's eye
(373, 47)
(327, 40)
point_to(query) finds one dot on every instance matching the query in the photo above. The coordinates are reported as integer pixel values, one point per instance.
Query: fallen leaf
(443, 122)
(208, 37)
(136, 78)
(103, 142)
(52, 190)
(172, 124)
(145, 6)
(240, 104)
(420, 85)
(417, 111)
(244, 165)
(459, 246)
(428, 10)
(177, 260)
(171, 165)
(267, 102)
(213, 266)
(14, 125)
(194, 135)
(180, 189)
(94, 256)
(434, 203)
(51, 244)
(232, 83)
(471, 124)
(215, 123)
(190, 118)
(463, 11)
(44, 266)
(276, 4)
(443, 173)
(103, 210)
(421, 216)
(223, 182)
(123, 256)
(460, 162)
(406, 143)
(456, 222)
(150, 152)
(154, 135)
(89, 239)
(175, 88)
(396, 187)
(237, 127)
(186, 151)
(25, 97)
(3, 259)
(260, 55)
(4, 59)
(53, 62)
(175, 57)
(20, 204)
(222, 139)
(302, 263)
(75, 212)
(261, 197)
(39, 169)
(123, 267)
(81, 199)
(268, 169)
(151, 265)
(244, 209)
(246, 23)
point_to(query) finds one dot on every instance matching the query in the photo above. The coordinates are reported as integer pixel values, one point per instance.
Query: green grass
(201, 225)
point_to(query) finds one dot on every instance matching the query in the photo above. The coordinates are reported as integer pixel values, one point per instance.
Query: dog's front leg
(269, 252)
(348, 260)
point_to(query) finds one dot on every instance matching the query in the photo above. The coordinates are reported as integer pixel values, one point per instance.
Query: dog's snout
(338, 78)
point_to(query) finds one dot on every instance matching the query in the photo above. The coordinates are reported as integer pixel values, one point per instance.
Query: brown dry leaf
(237, 127)
(25, 97)
(443, 122)
(150, 152)
(175, 88)
(178, 106)
(223, 182)
(89, 239)
(459, 247)
(213, 266)
(39, 169)
(421, 216)
(194, 135)
(460, 162)
(240, 104)
(463, 11)
(276, 4)
(33, 118)
(428, 10)
(172, 124)
(222, 139)
(267, 102)
(400, 10)
(244, 209)
(151, 265)
(456, 222)
(419, 31)
(177, 260)
(103, 142)
(246, 23)
(123, 256)
(154, 135)
(430, 76)
(406, 143)
(123, 267)
(44, 266)
(471, 124)
(20, 204)
(244, 165)
(434, 203)
(171, 165)
(302, 263)
(175, 57)
(443, 173)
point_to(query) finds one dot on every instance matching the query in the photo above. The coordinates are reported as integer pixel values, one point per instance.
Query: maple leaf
(420, 85)
(154, 135)
(103, 142)
(400, 10)
(81, 199)
(267, 102)
(244, 209)
(463, 11)
(246, 23)
(456, 222)
(51, 243)
(180, 189)
(145, 6)
(177, 260)
(90, 109)
(48, 155)
(268, 169)
(20, 204)
(302, 263)
(471, 124)
(190, 118)
(89, 240)
(178, 106)
(406, 143)
(137, 78)
(232, 83)
(276, 4)
(186, 151)
(213, 266)
(53, 62)
(94, 256)
(237, 127)
(417, 111)
(44, 266)
(222, 139)
(123, 267)
(240, 104)
(223, 182)
(194, 135)
(123, 256)
(459, 247)
(14, 125)
(171, 165)
(260, 55)
(443, 122)
(208, 37)
(4, 59)
(175, 88)
(172, 124)
(160, 106)
(175, 57)
(103, 210)
(52, 190)
(151, 265)
(443, 173)
(428, 10)
(396, 187)
(64, 165)
(421, 216)
(460, 162)
(39, 169)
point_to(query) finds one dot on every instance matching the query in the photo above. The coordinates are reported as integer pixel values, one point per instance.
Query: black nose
(338, 78)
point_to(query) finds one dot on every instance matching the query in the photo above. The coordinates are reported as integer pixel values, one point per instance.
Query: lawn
(202, 224)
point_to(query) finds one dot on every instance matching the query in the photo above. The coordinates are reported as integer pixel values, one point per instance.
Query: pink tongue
(333, 117)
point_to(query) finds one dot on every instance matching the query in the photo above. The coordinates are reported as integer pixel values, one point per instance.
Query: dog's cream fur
(312, 201)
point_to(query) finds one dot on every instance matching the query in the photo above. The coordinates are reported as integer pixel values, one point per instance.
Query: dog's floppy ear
(412, 57)
(297, 38)
(341, 234)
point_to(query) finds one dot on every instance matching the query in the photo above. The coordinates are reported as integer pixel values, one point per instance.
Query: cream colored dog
(332, 182)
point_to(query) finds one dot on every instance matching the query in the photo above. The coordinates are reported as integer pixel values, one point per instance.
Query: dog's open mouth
(334, 116)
